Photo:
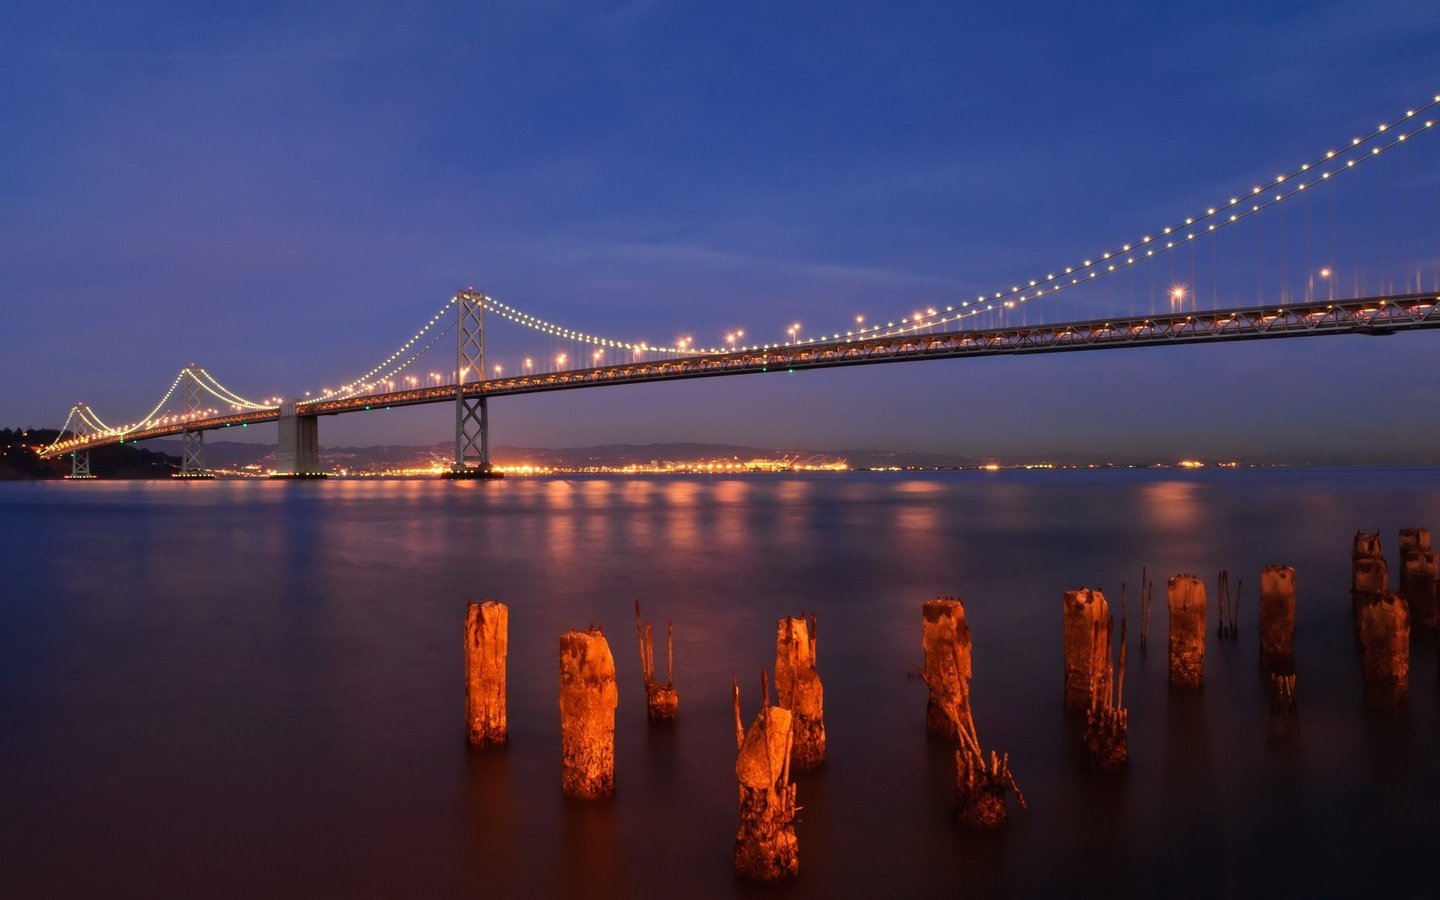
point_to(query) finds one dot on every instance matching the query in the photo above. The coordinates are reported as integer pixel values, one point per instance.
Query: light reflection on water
(255, 688)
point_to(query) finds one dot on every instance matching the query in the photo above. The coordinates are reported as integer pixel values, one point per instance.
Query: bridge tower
(472, 419)
(192, 441)
(80, 459)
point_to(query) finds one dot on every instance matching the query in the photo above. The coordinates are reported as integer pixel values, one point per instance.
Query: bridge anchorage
(472, 414)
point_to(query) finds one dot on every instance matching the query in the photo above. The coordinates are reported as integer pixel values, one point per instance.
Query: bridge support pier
(472, 414)
(298, 453)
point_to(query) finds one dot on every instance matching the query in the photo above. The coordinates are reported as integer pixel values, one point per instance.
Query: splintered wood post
(1369, 576)
(588, 697)
(946, 641)
(1417, 577)
(1277, 618)
(766, 848)
(1107, 724)
(661, 699)
(1385, 648)
(981, 782)
(1186, 601)
(798, 688)
(1085, 673)
(487, 638)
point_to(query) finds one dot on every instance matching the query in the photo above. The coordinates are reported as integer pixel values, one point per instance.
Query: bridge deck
(1368, 315)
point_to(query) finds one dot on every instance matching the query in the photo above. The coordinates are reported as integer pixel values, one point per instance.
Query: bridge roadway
(1366, 315)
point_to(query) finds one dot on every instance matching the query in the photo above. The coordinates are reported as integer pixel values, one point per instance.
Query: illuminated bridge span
(1367, 316)
(1394, 301)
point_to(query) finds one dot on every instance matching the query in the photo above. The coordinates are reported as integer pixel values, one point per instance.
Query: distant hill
(236, 455)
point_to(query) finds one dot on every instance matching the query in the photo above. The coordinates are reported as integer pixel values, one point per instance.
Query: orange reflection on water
(918, 487)
(559, 494)
(732, 491)
(1172, 504)
(682, 531)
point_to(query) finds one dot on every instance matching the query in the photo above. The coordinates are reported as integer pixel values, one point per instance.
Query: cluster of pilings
(1384, 620)
(789, 734)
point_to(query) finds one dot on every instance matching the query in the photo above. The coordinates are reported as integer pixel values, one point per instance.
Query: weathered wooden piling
(487, 637)
(1414, 539)
(1277, 618)
(588, 697)
(981, 782)
(1085, 673)
(1185, 596)
(1385, 647)
(1105, 744)
(798, 688)
(1369, 575)
(1417, 578)
(661, 699)
(766, 848)
(945, 637)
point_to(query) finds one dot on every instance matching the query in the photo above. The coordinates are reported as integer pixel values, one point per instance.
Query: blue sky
(284, 192)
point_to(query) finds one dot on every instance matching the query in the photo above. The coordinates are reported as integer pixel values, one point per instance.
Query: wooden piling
(981, 782)
(588, 697)
(766, 848)
(1277, 618)
(1385, 648)
(1085, 675)
(1414, 539)
(1185, 597)
(661, 700)
(1105, 744)
(1369, 575)
(1417, 578)
(945, 637)
(487, 637)
(798, 689)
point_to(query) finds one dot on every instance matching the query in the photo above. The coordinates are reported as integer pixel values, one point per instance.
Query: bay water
(255, 689)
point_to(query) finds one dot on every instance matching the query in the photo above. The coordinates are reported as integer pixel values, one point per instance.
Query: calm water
(255, 689)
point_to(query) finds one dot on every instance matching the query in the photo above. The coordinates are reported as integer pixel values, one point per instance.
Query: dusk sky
(284, 193)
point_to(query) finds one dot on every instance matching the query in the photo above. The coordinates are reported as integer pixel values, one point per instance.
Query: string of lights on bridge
(200, 376)
(1236, 208)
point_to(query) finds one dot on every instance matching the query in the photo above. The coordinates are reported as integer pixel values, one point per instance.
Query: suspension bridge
(1391, 298)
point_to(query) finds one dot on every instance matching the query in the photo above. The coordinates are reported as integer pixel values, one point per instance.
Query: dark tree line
(18, 459)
